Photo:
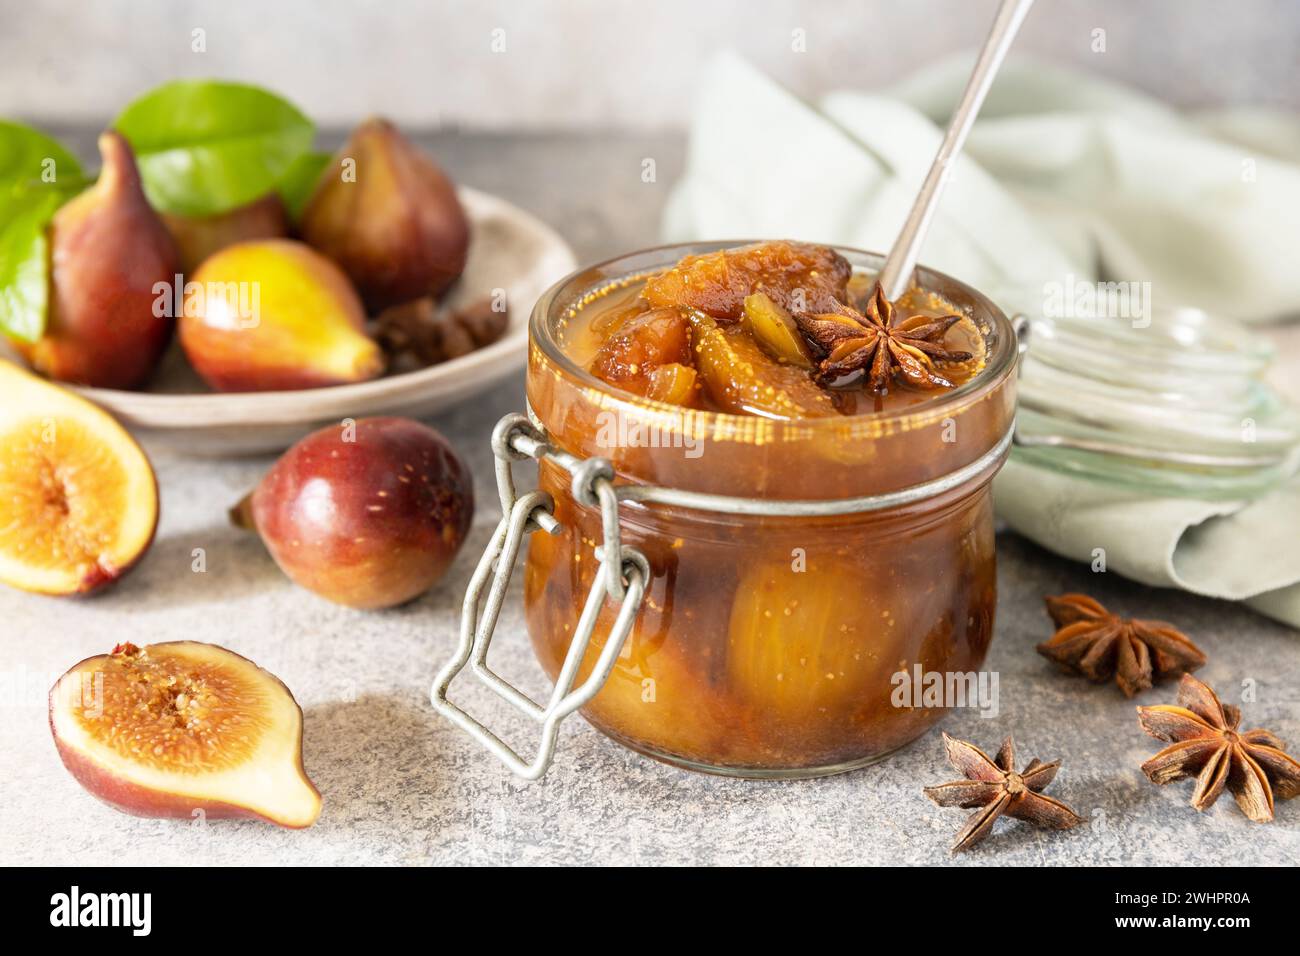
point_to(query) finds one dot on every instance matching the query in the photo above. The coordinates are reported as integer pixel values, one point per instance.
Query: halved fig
(78, 497)
(798, 276)
(742, 378)
(170, 729)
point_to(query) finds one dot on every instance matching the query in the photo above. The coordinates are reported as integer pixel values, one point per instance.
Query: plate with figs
(390, 291)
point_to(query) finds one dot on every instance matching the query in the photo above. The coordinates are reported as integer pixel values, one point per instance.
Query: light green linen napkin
(1063, 176)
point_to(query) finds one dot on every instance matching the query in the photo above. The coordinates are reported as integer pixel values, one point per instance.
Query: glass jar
(1198, 420)
(837, 562)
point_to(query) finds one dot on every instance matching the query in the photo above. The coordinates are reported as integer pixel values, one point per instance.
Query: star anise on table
(1206, 745)
(996, 789)
(880, 343)
(1091, 641)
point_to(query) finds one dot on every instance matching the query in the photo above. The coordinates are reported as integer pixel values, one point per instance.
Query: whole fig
(198, 237)
(273, 314)
(108, 252)
(368, 513)
(389, 216)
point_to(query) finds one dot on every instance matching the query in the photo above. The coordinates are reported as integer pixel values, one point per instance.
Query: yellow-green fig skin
(274, 314)
(109, 251)
(389, 216)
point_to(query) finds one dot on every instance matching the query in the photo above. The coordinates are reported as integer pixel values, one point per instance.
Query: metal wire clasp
(515, 438)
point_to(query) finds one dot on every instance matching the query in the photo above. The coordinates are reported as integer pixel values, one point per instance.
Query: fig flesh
(673, 383)
(389, 216)
(274, 314)
(639, 346)
(78, 497)
(367, 514)
(775, 330)
(797, 276)
(743, 379)
(170, 729)
(108, 252)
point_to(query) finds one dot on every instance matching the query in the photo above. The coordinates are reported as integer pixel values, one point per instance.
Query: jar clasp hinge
(515, 438)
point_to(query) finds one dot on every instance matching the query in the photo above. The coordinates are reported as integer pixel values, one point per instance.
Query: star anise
(996, 788)
(1091, 641)
(1208, 746)
(878, 342)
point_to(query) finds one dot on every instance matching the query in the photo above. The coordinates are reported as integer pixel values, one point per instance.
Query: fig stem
(241, 515)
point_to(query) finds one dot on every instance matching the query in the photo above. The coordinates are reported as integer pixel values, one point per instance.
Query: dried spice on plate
(1099, 645)
(996, 788)
(421, 333)
(1206, 745)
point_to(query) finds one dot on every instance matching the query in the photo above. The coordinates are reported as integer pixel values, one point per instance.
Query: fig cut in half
(170, 729)
(78, 497)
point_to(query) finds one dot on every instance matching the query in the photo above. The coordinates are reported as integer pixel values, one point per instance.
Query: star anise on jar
(996, 788)
(879, 343)
(1207, 745)
(1099, 645)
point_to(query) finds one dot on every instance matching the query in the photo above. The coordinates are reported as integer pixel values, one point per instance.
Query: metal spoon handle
(896, 275)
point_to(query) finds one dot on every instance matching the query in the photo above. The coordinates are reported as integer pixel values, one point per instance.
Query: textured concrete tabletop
(402, 786)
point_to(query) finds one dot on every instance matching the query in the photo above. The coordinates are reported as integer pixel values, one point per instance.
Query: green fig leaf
(300, 181)
(208, 146)
(37, 175)
(29, 157)
(25, 214)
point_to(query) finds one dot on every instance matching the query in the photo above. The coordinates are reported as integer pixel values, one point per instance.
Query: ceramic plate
(510, 249)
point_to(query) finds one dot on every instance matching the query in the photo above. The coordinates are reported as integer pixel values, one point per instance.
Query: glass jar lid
(1175, 404)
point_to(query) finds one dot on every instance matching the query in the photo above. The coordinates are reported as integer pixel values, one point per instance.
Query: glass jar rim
(1000, 361)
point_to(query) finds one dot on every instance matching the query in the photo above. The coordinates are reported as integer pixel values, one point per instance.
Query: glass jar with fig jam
(801, 471)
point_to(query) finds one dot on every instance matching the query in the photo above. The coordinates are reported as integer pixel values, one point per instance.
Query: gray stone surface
(403, 787)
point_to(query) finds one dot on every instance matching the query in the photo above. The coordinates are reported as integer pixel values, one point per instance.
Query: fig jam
(769, 644)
